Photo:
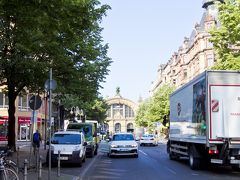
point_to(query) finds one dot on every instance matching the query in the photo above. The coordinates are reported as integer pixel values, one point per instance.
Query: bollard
(18, 158)
(25, 169)
(37, 155)
(58, 171)
(40, 168)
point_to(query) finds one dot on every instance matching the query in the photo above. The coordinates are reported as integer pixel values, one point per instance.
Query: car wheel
(136, 155)
(80, 163)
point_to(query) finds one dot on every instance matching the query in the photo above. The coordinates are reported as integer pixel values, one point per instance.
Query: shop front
(3, 128)
(24, 127)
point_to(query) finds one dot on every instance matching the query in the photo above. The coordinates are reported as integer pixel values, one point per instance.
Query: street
(153, 163)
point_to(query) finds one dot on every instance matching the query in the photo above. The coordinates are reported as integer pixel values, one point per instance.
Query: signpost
(50, 85)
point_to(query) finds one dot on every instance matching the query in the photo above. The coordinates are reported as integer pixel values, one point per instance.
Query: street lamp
(77, 112)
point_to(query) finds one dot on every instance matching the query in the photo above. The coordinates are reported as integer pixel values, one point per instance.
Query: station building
(120, 115)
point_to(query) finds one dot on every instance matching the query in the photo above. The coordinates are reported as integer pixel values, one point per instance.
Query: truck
(89, 128)
(205, 120)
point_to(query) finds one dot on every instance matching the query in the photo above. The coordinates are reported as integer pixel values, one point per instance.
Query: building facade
(23, 117)
(194, 56)
(120, 115)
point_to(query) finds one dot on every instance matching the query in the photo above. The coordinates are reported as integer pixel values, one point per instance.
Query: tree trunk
(11, 120)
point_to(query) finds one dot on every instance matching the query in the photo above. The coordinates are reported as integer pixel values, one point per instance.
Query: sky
(142, 35)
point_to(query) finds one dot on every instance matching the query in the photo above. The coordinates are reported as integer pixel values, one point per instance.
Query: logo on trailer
(179, 109)
(215, 105)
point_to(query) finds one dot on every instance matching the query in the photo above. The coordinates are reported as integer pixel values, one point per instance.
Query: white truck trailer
(205, 120)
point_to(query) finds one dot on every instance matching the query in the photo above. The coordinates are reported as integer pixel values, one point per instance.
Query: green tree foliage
(141, 118)
(62, 34)
(155, 108)
(226, 38)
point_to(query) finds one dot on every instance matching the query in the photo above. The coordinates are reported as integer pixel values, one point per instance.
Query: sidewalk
(25, 151)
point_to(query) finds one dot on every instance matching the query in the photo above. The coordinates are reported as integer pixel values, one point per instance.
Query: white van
(72, 147)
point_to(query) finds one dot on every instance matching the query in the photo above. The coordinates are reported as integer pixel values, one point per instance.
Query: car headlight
(134, 146)
(113, 146)
(76, 148)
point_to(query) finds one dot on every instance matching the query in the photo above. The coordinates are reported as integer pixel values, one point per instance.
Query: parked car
(121, 144)
(72, 147)
(148, 139)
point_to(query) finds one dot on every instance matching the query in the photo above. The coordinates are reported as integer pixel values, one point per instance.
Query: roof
(67, 132)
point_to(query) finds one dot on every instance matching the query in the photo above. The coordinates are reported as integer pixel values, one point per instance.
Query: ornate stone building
(195, 55)
(121, 114)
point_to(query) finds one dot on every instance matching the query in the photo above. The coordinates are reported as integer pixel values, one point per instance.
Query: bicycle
(6, 173)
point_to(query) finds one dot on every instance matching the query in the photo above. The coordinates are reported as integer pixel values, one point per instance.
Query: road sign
(50, 83)
(35, 102)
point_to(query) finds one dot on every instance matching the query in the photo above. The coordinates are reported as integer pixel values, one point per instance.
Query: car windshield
(85, 128)
(66, 139)
(123, 137)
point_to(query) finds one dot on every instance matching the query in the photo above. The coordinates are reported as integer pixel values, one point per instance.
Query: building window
(210, 59)
(174, 71)
(1, 99)
(23, 102)
(109, 113)
(174, 81)
(117, 110)
(117, 127)
(209, 44)
(184, 73)
(129, 111)
(130, 127)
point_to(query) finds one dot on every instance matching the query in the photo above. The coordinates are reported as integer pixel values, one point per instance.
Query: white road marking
(142, 152)
(81, 176)
(172, 171)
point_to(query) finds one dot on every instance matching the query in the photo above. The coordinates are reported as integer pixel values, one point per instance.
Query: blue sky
(141, 35)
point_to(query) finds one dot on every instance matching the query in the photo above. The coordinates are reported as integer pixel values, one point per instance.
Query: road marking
(172, 171)
(142, 152)
(81, 176)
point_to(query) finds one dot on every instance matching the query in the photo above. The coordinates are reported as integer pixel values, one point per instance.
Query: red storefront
(23, 130)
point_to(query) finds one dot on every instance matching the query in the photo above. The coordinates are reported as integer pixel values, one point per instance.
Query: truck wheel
(193, 161)
(95, 152)
(91, 153)
(172, 156)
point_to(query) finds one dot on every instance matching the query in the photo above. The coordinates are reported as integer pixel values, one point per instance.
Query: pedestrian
(36, 140)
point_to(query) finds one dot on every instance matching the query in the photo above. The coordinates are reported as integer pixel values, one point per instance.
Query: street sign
(35, 102)
(50, 83)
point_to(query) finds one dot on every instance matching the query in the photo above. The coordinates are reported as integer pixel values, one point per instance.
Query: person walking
(36, 141)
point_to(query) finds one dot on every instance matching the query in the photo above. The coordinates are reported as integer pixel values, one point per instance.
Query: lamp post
(76, 112)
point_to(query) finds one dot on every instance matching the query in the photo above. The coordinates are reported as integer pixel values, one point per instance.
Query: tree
(154, 109)
(160, 103)
(226, 38)
(64, 35)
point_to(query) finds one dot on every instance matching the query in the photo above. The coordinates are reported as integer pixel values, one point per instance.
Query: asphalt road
(152, 164)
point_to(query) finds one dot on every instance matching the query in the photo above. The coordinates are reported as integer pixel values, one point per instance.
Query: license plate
(235, 161)
(124, 149)
(63, 158)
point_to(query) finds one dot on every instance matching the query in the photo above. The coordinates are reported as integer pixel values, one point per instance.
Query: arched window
(117, 127)
(130, 127)
(129, 111)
